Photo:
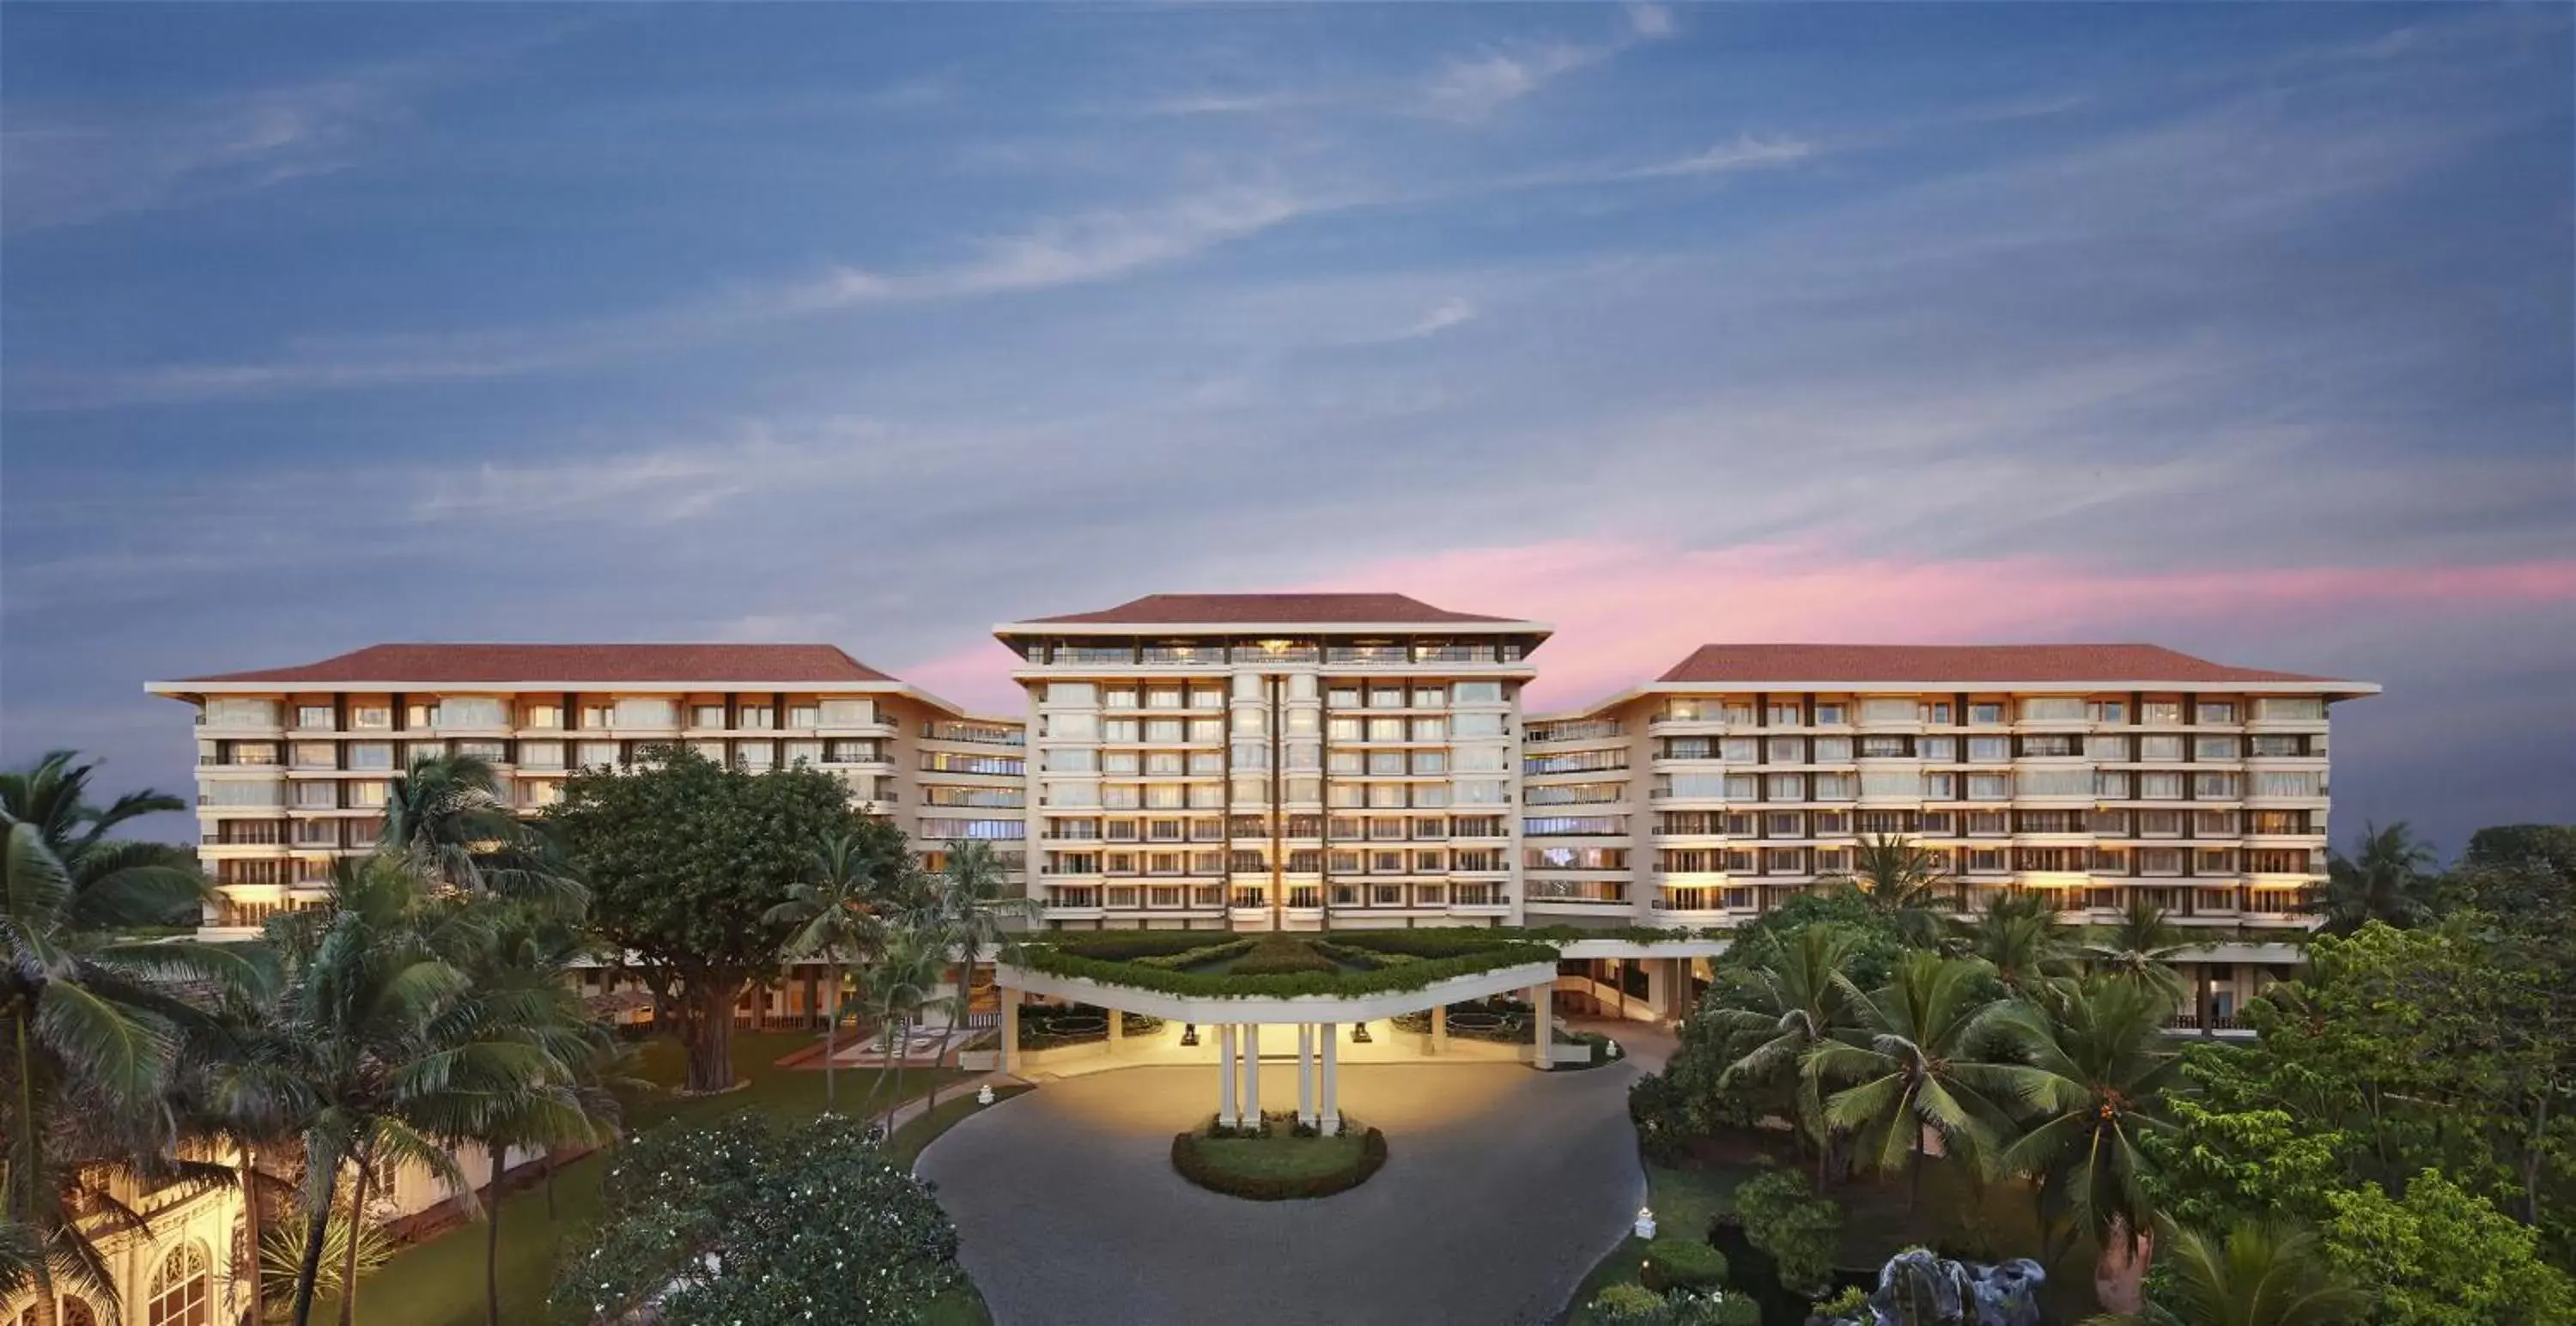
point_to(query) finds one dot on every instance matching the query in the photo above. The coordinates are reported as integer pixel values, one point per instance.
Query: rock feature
(1920, 1288)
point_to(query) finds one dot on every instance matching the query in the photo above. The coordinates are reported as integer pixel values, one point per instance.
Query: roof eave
(1006, 630)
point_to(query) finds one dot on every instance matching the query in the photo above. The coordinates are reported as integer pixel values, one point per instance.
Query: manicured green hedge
(1364, 959)
(1194, 957)
(1678, 1262)
(1129, 945)
(1280, 955)
(1343, 984)
(1195, 1167)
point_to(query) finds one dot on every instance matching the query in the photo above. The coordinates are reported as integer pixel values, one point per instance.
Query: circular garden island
(1282, 1159)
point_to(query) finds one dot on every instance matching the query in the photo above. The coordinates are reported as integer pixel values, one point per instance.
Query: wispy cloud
(1450, 313)
(1745, 152)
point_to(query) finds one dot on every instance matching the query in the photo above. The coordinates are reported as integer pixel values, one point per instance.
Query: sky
(2243, 330)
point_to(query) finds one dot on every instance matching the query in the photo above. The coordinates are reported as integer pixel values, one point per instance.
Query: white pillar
(1540, 1034)
(1117, 1030)
(1252, 1073)
(1439, 1028)
(1306, 1072)
(1225, 1111)
(1331, 1111)
(1010, 1060)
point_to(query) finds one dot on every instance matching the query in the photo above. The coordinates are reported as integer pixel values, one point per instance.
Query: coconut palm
(1799, 993)
(1904, 882)
(838, 910)
(1910, 1059)
(2389, 881)
(2140, 947)
(523, 976)
(377, 1045)
(447, 817)
(2104, 1065)
(2255, 1275)
(968, 898)
(2022, 939)
(93, 1017)
(901, 986)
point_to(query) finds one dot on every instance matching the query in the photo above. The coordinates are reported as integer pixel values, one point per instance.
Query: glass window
(1477, 692)
(1079, 727)
(1829, 712)
(2216, 711)
(181, 1293)
(1072, 693)
(2052, 709)
(2214, 748)
(849, 713)
(1989, 750)
(548, 716)
(1943, 749)
(1985, 714)
(706, 715)
(315, 715)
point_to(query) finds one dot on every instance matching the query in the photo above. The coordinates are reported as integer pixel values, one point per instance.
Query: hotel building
(1274, 762)
(293, 764)
(1313, 761)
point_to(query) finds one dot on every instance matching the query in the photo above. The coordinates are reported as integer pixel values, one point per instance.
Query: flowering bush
(735, 1223)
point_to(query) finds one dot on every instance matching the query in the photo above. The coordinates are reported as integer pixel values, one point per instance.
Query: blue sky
(2244, 330)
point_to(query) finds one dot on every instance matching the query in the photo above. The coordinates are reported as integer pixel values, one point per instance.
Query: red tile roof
(1268, 609)
(571, 663)
(1963, 664)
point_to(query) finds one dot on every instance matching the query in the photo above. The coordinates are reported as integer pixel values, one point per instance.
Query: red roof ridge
(1318, 607)
(2055, 662)
(502, 663)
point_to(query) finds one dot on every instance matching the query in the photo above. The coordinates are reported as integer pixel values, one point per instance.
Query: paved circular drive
(1502, 1187)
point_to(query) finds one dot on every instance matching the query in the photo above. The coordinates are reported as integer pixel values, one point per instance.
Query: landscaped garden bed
(1345, 963)
(1054, 1026)
(1280, 1160)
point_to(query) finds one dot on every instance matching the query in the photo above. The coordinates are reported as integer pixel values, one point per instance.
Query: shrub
(810, 1223)
(1852, 1304)
(1661, 1111)
(1628, 1303)
(1364, 959)
(1194, 1165)
(1282, 955)
(1678, 1262)
(1714, 1307)
(1797, 1230)
(1192, 957)
(1131, 945)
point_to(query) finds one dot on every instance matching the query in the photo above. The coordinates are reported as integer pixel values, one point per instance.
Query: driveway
(1501, 1189)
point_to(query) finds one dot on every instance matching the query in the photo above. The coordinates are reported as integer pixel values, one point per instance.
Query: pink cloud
(1626, 610)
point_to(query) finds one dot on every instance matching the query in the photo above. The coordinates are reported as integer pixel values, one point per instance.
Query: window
(2160, 824)
(1784, 787)
(794, 753)
(1784, 824)
(1887, 710)
(1785, 750)
(1990, 787)
(1304, 722)
(2107, 711)
(1881, 783)
(1883, 748)
(2046, 747)
(371, 755)
(1989, 750)
(2217, 786)
(1069, 759)
(226, 711)
(1740, 750)
(2215, 748)
(1941, 786)
(1430, 697)
(755, 755)
(1789, 714)
(1939, 750)
(315, 715)
(1743, 787)
(1985, 714)
(181, 1290)
(1072, 693)
(598, 754)
(371, 717)
(1479, 792)
(315, 755)
(1830, 713)
(2306, 784)
(472, 711)
(2108, 747)
(2045, 782)
(2159, 748)
(546, 716)
(2275, 746)
(804, 716)
(850, 713)
(596, 716)
(706, 715)
(2160, 711)
(2289, 708)
(1988, 824)
(633, 712)
(2111, 785)
(2052, 709)
(1076, 727)
(1477, 692)
(313, 796)
(1834, 787)
(2215, 711)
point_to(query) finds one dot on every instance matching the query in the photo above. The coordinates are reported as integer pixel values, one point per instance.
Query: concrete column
(1544, 1024)
(1225, 1112)
(1252, 1073)
(1659, 988)
(1439, 1028)
(1010, 1060)
(1331, 1112)
(1306, 1071)
(1117, 1031)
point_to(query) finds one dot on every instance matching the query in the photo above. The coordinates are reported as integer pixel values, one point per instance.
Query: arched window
(181, 1294)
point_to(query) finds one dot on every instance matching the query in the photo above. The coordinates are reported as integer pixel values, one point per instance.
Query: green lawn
(1684, 1202)
(1281, 1156)
(440, 1283)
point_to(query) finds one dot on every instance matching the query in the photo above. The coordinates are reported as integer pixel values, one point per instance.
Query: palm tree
(377, 1045)
(447, 817)
(1910, 1058)
(91, 1015)
(901, 986)
(2021, 937)
(2141, 947)
(523, 979)
(972, 907)
(2256, 1275)
(1904, 882)
(838, 914)
(1801, 992)
(2389, 881)
(2105, 1065)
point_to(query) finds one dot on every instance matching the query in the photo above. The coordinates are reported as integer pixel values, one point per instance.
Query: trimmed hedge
(1193, 957)
(1195, 1167)
(1345, 984)
(1364, 959)
(1129, 945)
(1678, 1262)
(1627, 1302)
(1279, 955)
